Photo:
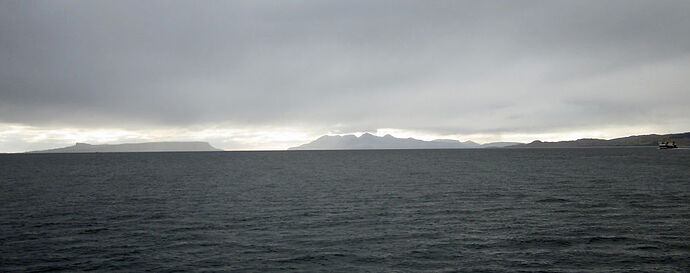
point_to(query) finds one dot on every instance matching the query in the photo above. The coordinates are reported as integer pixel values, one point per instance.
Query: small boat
(667, 145)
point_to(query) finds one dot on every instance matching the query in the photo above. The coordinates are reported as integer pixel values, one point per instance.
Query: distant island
(194, 146)
(368, 141)
(682, 139)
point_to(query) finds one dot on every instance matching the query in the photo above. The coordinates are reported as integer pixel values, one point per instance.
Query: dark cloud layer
(449, 67)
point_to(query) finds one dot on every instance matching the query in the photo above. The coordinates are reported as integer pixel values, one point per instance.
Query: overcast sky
(274, 74)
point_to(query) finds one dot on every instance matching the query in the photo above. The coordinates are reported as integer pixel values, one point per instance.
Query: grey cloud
(443, 66)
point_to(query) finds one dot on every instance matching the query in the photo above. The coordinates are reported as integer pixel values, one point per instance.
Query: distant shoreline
(368, 141)
(178, 146)
(384, 149)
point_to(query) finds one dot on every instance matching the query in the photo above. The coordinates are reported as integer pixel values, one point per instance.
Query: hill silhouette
(195, 146)
(681, 139)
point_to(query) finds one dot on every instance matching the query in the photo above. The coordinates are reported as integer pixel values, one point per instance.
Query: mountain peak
(367, 135)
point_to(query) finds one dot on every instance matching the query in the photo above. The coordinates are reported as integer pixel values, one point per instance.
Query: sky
(261, 75)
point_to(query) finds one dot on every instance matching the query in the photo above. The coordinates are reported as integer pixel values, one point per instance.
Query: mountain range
(195, 146)
(369, 141)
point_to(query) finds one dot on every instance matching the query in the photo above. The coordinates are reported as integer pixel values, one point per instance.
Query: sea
(468, 210)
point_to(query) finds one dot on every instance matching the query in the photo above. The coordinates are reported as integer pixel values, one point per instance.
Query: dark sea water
(495, 210)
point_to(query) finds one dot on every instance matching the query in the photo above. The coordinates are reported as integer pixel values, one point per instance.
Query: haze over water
(557, 210)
